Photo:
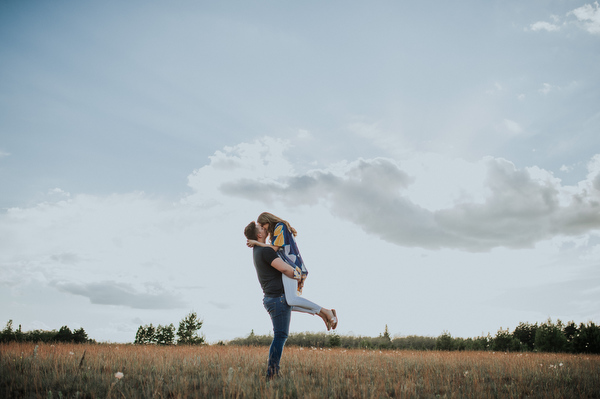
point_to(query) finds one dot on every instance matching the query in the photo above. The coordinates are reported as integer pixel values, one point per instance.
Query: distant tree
(481, 343)
(384, 341)
(414, 342)
(335, 340)
(64, 334)
(7, 334)
(80, 336)
(165, 335)
(145, 335)
(570, 331)
(19, 335)
(187, 333)
(525, 333)
(505, 341)
(39, 336)
(386, 333)
(445, 342)
(549, 337)
(587, 339)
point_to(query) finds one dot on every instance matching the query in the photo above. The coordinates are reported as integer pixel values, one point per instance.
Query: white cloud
(136, 257)
(513, 127)
(4, 154)
(522, 207)
(566, 169)
(543, 25)
(497, 88)
(261, 161)
(304, 134)
(59, 193)
(546, 88)
(589, 16)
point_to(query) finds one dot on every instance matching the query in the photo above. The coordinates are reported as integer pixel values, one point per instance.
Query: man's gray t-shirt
(268, 276)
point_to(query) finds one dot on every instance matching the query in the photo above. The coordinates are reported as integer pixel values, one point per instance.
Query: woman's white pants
(297, 303)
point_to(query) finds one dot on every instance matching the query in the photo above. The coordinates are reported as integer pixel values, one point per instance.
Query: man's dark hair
(250, 231)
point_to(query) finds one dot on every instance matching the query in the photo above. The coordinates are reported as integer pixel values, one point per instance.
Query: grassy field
(127, 371)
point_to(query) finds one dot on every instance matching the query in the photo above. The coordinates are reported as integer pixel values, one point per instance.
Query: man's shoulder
(265, 254)
(264, 250)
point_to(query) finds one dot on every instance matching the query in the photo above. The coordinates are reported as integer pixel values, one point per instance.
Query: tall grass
(89, 371)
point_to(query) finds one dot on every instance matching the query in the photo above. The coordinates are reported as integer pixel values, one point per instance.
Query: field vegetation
(29, 370)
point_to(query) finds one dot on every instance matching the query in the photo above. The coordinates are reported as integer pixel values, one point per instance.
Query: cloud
(121, 294)
(512, 126)
(4, 154)
(542, 25)
(521, 207)
(68, 258)
(546, 88)
(261, 161)
(589, 16)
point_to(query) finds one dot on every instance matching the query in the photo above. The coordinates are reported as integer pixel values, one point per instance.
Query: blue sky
(439, 160)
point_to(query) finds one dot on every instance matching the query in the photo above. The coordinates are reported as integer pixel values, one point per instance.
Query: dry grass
(62, 371)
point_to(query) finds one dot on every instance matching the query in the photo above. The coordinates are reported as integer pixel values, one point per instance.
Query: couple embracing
(281, 273)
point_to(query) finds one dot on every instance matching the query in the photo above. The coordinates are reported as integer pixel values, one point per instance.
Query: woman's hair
(250, 231)
(267, 217)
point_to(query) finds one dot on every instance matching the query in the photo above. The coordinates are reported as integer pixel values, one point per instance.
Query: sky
(439, 160)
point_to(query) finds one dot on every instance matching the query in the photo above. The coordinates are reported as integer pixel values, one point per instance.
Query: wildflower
(118, 375)
(560, 364)
(466, 373)
(230, 374)
(71, 353)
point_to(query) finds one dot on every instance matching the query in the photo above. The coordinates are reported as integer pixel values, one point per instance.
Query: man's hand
(283, 267)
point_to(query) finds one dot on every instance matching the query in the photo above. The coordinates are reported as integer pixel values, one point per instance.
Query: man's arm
(252, 243)
(283, 267)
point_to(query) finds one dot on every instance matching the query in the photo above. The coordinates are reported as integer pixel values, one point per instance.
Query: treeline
(64, 334)
(187, 333)
(544, 337)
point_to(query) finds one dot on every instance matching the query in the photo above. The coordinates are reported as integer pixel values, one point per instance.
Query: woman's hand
(251, 243)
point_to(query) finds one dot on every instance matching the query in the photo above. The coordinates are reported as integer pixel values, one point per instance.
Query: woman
(282, 239)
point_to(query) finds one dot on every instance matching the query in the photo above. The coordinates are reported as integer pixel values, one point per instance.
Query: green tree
(549, 337)
(7, 335)
(445, 342)
(80, 336)
(570, 331)
(525, 333)
(145, 335)
(64, 334)
(505, 341)
(187, 333)
(335, 340)
(165, 335)
(587, 339)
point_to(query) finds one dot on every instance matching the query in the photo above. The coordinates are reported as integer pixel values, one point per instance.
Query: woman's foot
(334, 319)
(329, 317)
(326, 321)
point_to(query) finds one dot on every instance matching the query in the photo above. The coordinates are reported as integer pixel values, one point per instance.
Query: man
(269, 268)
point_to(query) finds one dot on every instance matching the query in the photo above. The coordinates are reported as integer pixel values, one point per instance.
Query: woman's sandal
(327, 324)
(334, 320)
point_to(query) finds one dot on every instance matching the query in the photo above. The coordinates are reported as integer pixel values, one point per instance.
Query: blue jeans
(281, 314)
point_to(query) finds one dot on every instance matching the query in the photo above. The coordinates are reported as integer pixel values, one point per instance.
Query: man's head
(250, 231)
